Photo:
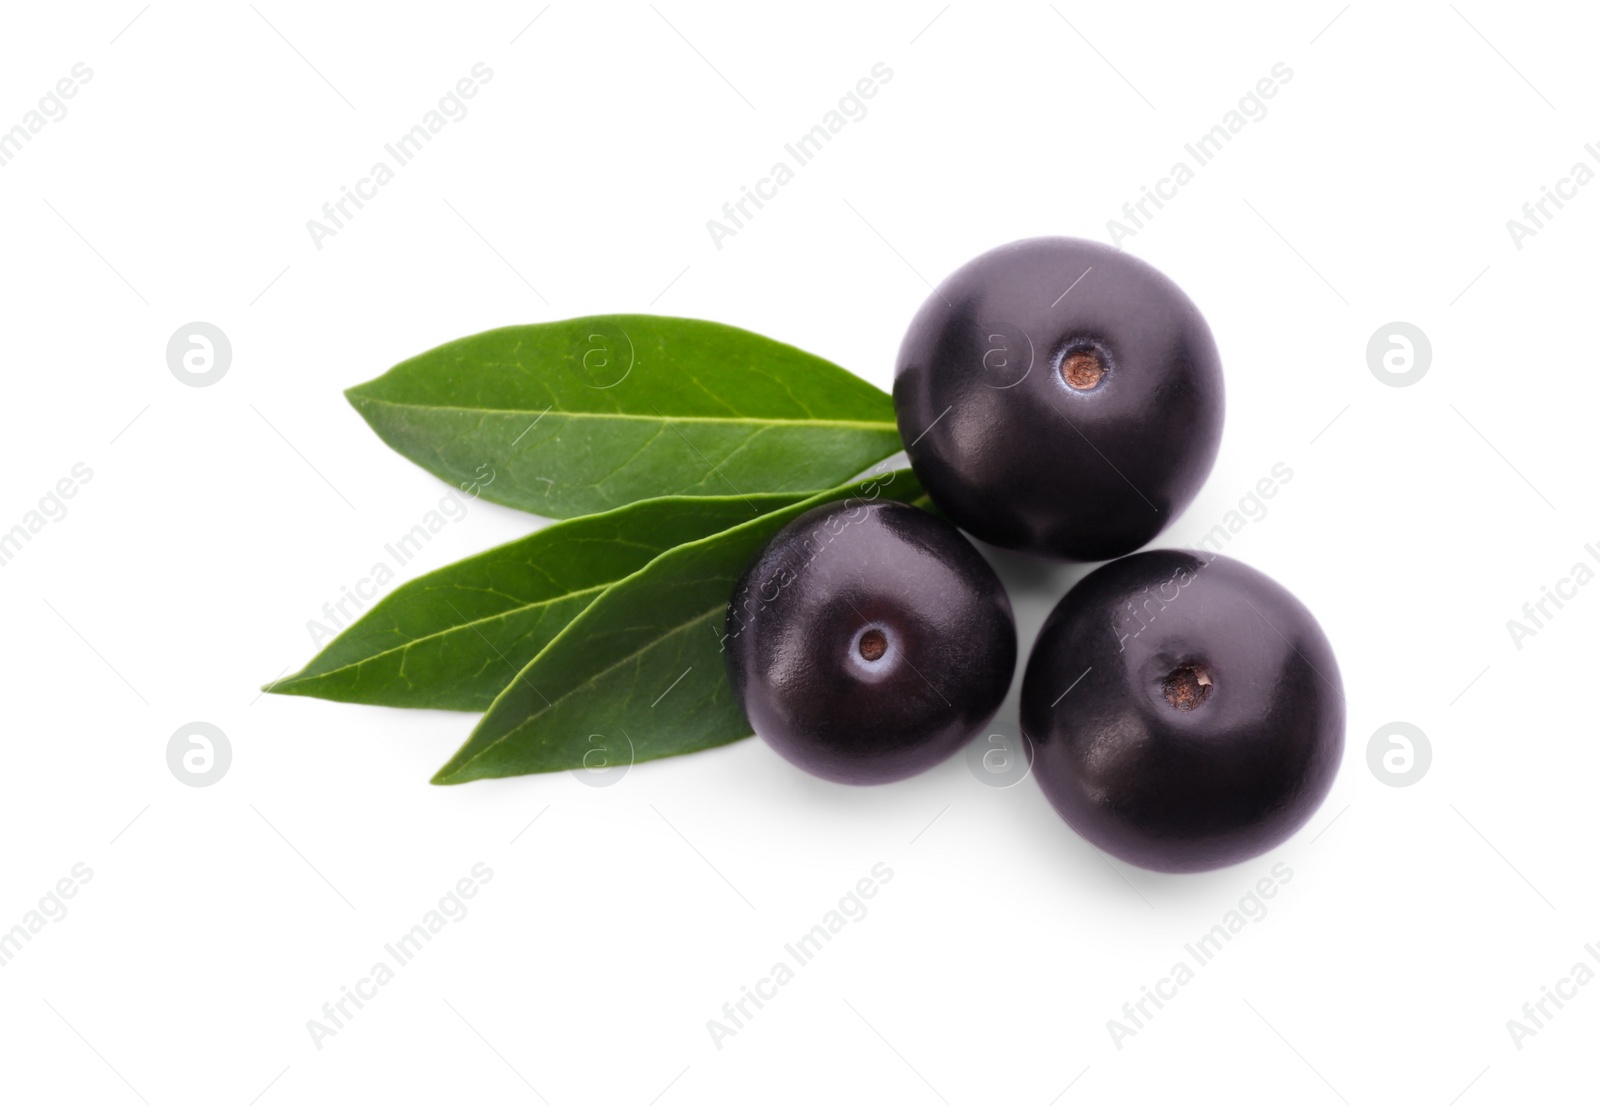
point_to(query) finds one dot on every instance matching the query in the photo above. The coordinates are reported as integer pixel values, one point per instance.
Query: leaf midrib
(452, 629)
(550, 705)
(876, 425)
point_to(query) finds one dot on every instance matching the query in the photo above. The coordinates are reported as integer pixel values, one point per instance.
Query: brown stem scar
(1187, 687)
(872, 645)
(1082, 370)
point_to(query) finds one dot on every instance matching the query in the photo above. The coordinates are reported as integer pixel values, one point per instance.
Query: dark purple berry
(1185, 714)
(869, 641)
(1060, 397)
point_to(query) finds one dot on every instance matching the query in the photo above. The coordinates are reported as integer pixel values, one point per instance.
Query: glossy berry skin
(1205, 717)
(869, 641)
(1060, 397)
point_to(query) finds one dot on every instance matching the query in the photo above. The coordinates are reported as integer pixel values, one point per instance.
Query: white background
(219, 520)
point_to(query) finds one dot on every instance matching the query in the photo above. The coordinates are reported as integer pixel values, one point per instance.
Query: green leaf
(639, 674)
(584, 415)
(452, 639)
